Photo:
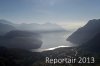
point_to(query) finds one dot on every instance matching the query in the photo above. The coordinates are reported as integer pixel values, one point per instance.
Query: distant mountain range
(47, 27)
(85, 33)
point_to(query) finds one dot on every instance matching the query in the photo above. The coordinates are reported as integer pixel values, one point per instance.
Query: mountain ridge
(86, 32)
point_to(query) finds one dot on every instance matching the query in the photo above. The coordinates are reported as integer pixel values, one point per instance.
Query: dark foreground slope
(68, 52)
(20, 57)
(17, 57)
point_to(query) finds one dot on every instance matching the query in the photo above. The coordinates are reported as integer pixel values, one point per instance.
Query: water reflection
(53, 41)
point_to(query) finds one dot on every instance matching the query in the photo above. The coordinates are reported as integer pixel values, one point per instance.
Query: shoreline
(53, 48)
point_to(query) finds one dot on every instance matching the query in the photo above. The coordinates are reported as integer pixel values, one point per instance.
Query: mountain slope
(93, 44)
(4, 28)
(21, 39)
(86, 32)
(3, 21)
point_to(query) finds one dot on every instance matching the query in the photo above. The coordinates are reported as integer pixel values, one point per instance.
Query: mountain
(4, 28)
(93, 44)
(47, 27)
(3, 21)
(52, 27)
(86, 32)
(21, 39)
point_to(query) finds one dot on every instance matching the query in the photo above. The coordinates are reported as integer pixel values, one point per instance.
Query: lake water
(54, 40)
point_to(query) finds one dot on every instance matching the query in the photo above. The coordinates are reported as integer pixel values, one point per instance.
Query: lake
(54, 40)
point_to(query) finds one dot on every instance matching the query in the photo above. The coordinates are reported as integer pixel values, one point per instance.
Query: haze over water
(54, 40)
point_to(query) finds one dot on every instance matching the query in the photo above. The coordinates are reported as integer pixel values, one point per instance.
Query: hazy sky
(55, 11)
